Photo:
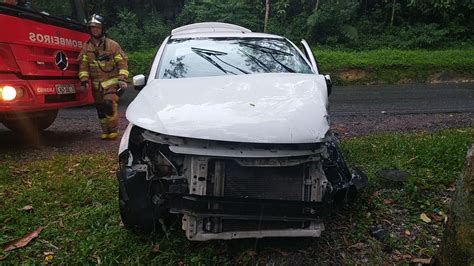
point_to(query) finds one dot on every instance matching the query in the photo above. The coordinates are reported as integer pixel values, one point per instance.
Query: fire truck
(39, 45)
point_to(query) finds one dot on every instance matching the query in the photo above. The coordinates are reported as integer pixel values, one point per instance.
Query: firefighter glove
(122, 85)
(84, 86)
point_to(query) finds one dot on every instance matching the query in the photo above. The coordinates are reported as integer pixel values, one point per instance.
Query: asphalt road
(354, 111)
(403, 99)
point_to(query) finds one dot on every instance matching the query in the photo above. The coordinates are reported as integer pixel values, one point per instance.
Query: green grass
(393, 66)
(74, 198)
(377, 66)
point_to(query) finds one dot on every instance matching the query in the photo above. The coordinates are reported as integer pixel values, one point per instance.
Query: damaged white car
(230, 133)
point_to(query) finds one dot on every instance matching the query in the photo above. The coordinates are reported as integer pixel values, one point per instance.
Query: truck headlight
(8, 93)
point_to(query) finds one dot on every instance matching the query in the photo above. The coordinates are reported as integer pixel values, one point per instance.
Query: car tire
(36, 121)
(338, 173)
(136, 209)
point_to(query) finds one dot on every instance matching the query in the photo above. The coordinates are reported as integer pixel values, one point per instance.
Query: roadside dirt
(352, 126)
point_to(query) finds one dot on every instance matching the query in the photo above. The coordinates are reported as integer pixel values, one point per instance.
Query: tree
(457, 247)
(267, 15)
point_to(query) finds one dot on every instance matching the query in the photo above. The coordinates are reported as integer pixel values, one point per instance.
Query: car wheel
(136, 196)
(31, 121)
(338, 173)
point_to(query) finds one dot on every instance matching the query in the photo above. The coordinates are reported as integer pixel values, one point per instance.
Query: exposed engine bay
(230, 190)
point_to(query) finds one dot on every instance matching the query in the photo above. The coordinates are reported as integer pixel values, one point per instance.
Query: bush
(139, 62)
(134, 34)
(240, 12)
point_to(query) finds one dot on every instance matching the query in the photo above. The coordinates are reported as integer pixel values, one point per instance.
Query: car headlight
(8, 93)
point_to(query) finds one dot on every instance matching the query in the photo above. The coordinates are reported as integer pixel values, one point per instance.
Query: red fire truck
(39, 45)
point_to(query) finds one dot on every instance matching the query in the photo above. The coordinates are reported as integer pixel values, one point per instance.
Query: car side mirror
(328, 84)
(139, 81)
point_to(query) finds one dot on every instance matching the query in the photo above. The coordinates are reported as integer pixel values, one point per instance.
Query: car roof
(216, 29)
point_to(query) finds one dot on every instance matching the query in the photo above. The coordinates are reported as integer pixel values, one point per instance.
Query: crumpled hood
(255, 108)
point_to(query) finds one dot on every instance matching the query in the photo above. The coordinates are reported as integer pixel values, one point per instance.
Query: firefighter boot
(112, 116)
(113, 135)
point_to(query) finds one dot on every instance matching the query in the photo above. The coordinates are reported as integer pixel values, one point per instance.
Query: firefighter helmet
(96, 20)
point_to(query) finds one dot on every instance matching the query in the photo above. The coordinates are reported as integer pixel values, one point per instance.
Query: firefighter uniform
(105, 64)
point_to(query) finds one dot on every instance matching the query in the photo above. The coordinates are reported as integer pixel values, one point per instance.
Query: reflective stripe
(108, 83)
(83, 74)
(95, 85)
(96, 63)
(123, 72)
(118, 57)
(85, 58)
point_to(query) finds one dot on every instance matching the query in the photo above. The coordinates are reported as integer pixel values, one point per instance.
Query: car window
(204, 57)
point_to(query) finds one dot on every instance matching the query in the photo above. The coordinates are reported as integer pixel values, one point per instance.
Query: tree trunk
(457, 247)
(393, 12)
(267, 15)
(317, 6)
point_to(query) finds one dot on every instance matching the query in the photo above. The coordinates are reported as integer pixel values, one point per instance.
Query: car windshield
(204, 57)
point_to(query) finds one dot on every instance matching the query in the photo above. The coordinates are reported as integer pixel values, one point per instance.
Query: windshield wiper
(270, 51)
(216, 54)
(265, 49)
(256, 60)
(205, 54)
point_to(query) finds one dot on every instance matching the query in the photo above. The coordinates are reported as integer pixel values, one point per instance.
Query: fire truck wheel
(28, 121)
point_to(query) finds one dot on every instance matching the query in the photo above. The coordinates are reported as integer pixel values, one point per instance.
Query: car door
(309, 55)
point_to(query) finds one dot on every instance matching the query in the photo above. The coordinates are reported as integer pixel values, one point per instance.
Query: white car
(230, 132)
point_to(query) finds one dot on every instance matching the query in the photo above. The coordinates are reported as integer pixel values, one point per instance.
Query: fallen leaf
(451, 189)
(61, 223)
(252, 253)
(47, 243)
(26, 208)
(22, 241)
(283, 253)
(156, 248)
(358, 246)
(407, 232)
(387, 201)
(46, 253)
(425, 218)
(421, 260)
(97, 258)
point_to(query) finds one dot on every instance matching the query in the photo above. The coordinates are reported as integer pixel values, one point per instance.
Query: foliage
(75, 198)
(354, 24)
(239, 12)
(133, 34)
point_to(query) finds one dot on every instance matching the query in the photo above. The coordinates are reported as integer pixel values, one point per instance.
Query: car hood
(255, 108)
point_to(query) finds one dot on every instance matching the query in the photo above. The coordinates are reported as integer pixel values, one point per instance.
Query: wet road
(354, 111)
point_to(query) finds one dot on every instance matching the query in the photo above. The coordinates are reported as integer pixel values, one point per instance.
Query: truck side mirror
(328, 84)
(139, 81)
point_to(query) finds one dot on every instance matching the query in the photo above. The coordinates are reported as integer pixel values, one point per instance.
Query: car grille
(278, 183)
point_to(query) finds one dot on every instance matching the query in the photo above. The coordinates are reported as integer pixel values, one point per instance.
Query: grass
(393, 66)
(74, 198)
(383, 66)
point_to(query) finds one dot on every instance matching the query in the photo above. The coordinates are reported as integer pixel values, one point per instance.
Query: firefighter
(104, 63)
